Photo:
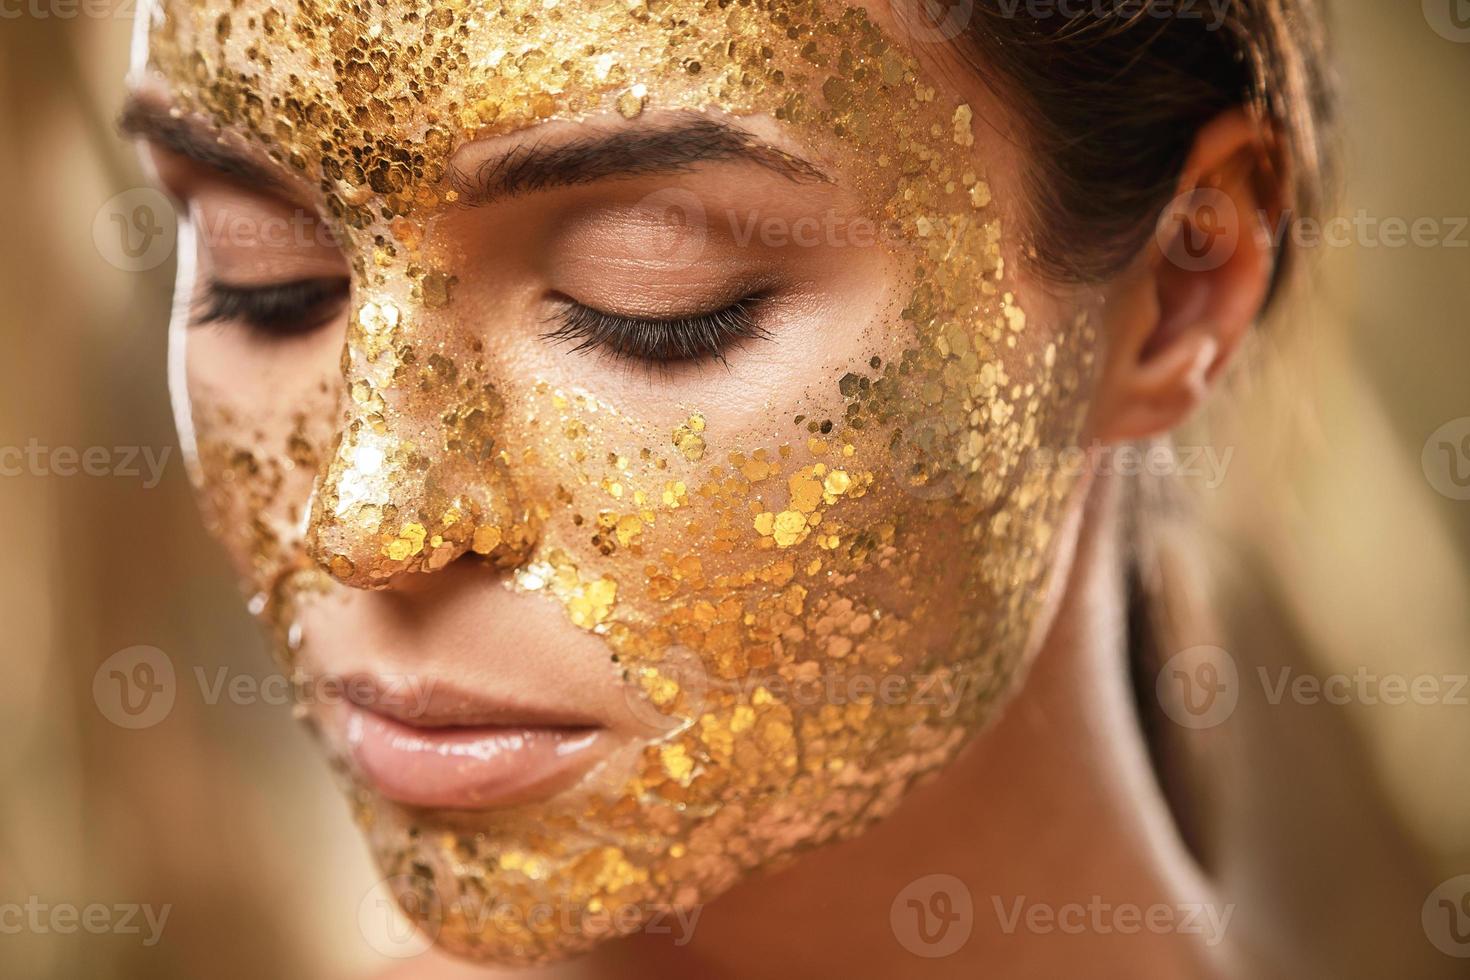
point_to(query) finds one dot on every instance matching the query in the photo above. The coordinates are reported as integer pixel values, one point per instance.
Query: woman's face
(637, 409)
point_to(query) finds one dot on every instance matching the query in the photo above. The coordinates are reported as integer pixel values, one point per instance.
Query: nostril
(382, 510)
(366, 549)
(508, 546)
(419, 476)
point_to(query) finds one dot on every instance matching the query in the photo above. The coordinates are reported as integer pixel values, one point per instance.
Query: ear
(1178, 315)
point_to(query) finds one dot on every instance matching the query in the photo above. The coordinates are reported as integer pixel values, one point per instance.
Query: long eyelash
(686, 338)
(278, 309)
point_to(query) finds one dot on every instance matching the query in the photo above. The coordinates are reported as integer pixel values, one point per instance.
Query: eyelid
(246, 240)
(667, 340)
(274, 310)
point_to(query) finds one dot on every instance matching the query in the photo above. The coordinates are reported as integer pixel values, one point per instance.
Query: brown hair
(1110, 101)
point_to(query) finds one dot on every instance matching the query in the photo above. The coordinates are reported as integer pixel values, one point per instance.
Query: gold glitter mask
(822, 608)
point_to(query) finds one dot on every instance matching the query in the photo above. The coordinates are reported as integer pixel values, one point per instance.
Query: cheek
(854, 533)
(263, 421)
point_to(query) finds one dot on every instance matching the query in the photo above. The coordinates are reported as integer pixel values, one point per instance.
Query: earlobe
(1165, 389)
(1177, 318)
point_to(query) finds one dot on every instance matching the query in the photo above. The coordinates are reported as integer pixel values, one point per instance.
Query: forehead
(370, 98)
(496, 65)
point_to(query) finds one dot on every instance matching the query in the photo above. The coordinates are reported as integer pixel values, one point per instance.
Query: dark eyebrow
(193, 139)
(524, 169)
(625, 153)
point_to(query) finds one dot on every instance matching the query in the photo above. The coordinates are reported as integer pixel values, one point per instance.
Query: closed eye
(274, 310)
(666, 340)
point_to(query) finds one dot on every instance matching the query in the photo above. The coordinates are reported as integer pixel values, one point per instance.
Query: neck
(1052, 821)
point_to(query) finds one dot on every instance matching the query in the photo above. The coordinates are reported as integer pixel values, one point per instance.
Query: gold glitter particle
(676, 762)
(963, 136)
(487, 538)
(688, 438)
(632, 102)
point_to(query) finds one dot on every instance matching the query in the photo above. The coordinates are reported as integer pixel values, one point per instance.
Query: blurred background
(1342, 523)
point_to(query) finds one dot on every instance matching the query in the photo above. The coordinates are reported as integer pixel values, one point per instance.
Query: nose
(419, 475)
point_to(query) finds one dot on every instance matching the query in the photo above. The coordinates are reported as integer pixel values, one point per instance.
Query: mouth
(454, 751)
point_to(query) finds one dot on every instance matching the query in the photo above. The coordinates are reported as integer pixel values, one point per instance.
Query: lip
(420, 702)
(468, 767)
(426, 743)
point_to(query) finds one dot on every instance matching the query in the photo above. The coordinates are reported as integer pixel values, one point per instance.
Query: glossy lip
(428, 702)
(448, 749)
